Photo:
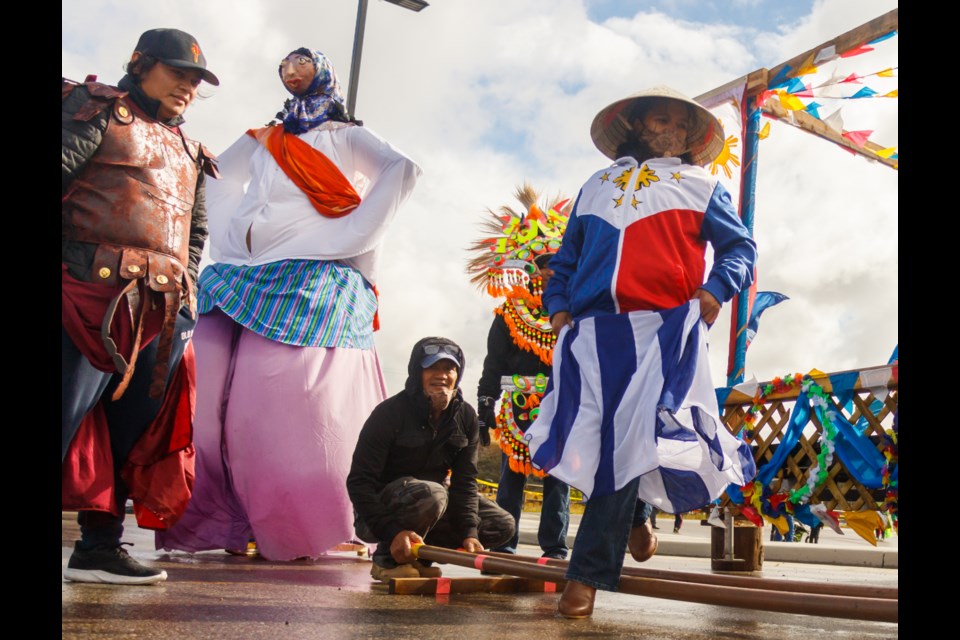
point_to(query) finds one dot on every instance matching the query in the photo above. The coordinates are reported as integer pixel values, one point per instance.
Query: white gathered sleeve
(279, 217)
(224, 195)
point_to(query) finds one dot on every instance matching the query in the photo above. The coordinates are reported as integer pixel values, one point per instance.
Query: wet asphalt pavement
(215, 595)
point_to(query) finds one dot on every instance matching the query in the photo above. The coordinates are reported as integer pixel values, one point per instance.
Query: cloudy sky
(485, 95)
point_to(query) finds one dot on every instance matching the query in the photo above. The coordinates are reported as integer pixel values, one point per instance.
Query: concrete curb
(848, 550)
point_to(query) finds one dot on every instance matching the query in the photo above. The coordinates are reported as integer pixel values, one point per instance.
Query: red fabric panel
(661, 264)
(86, 476)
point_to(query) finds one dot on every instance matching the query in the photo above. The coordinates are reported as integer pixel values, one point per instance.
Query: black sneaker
(109, 565)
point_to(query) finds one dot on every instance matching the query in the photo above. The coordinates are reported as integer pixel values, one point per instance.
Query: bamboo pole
(769, 584)
(831, 606)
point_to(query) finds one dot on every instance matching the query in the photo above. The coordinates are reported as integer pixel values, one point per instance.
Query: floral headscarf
(321, 101)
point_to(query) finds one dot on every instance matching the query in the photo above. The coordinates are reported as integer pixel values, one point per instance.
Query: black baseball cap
(177, 49)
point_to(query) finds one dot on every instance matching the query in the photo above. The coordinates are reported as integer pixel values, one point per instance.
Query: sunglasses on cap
(433, 349)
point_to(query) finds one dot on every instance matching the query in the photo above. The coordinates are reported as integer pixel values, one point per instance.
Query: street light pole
(355, 61)
(412, 5)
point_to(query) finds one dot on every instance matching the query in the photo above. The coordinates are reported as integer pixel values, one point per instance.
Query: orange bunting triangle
(865, 524)
(886, 73)
(892, 94)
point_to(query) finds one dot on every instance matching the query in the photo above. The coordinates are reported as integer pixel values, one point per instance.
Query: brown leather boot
(577, 600)
(642, 542)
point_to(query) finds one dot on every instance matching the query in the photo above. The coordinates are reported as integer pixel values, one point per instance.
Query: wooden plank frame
(841, 491)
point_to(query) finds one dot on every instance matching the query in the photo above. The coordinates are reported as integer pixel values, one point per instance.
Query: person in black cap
(133, 229)
(414, 471)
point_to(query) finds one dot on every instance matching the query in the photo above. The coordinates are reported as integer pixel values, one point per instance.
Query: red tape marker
(548, 587)
(478, 561)
(443, 586)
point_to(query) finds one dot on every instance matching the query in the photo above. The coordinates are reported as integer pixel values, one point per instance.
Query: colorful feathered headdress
(503, 262)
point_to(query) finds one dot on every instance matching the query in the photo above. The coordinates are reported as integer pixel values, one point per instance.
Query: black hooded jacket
(397, 440)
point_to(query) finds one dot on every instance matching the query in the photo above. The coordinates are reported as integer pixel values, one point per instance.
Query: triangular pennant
(780, 523)
(852, 78)
(858, 138)
(855, 52)
(892, 94)
(751, 514)
(825, 55)
(764, 131)
(876, 381)
(834, 121)
(865, 524)
(814, 109)
(781, 79)
(807, 67)
(794, 86)
(714, 518)
(865, 92)
(790, 102)
(829, 518)
(748, 387)
(883, 37)
(886, 73)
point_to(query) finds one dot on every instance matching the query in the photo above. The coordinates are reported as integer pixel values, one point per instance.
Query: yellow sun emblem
(727, 158)
(646, 177)
(622, 180)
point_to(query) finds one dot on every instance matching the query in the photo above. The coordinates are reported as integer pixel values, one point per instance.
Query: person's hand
(709, 306)
(472, 545)
(486, 417)
(559, 320)
(402, 546)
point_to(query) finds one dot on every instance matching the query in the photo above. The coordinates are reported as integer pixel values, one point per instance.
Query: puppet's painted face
(296, 72)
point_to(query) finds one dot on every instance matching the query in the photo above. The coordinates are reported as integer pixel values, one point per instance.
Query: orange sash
(330, 193)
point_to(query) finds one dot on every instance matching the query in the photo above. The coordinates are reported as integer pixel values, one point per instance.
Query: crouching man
(414, 473)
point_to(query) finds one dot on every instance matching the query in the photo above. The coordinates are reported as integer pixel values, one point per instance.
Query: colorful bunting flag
(865, 92)
(764, 131)
(855, 52)
(807, 67)
(865, 524)
(883, 37)
(826, 54)
(858, 138)
(790, 102)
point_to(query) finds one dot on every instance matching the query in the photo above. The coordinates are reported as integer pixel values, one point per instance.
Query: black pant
(421, 506)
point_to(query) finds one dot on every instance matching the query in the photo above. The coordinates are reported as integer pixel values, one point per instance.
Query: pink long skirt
(275, 430)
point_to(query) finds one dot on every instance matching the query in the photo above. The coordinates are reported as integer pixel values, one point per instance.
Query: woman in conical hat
(624, 421)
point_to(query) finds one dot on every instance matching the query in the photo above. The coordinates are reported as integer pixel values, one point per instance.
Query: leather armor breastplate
(137, 190)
